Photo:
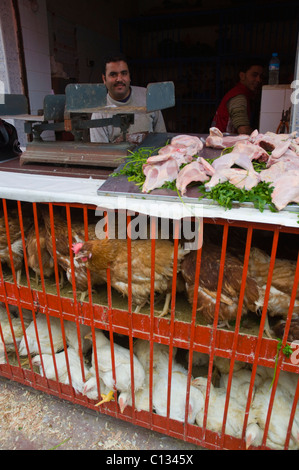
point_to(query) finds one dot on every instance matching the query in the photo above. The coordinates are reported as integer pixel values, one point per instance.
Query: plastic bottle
(274, 69)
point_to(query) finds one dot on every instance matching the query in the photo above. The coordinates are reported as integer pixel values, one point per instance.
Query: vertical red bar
(260, 337)
(215, 323)
(110, 316)
(130, 323)
(236, 332)
(199, 238)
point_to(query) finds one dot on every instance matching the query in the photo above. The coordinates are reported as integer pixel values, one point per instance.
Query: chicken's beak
(88, 336)
(82, 256)
(190, 411)
(122, 404)
(248, 441)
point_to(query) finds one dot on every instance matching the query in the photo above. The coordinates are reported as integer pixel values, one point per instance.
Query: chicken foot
(166, 305)
(106, 398)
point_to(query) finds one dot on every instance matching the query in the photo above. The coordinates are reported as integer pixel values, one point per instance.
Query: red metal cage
(195, 344)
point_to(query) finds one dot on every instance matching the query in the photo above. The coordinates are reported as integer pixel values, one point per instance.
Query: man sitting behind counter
(120, 92)
(238, 109)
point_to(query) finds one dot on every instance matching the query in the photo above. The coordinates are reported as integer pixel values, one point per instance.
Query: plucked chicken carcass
(286, 190)
(158, 174)
(244, 179)
(122, 364)
(281, 284)
(242, 155)
(15, 240)
(63, 250)
(98, 255)
(280, 417)
(165, 166)
(217, 140)
(42, 338)
(75, 368)
(208, 284)
(12, 330)
(33, 255)
(198, 170)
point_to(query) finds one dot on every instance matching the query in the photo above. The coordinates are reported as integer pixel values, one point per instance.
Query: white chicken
(160, 384)
(90, 388)
(279, 421)
(122, 368)
(2, 352)
(12, 338)
(160, 356)
(43, 336)
(178, 394)
(72, 336)
(160, 352)
(77, 377)
(240, 385)
(217, 400)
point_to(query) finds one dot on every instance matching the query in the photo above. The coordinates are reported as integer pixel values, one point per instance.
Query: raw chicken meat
(286, 189)
(242, 155)
(217, 140)
(236, 176)
(193, 144)
(170, 151)
(199, 170)
(157, 175)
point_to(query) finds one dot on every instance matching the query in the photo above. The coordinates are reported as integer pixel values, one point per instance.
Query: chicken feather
(122, 365)
(98, 255)
(43, 335)
(62, 247)
(281, 282)
(279, 420)
(208, 283)
(33, 256)
(15, 240)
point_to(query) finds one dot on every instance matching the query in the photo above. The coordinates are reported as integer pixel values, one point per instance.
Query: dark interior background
(196, 44)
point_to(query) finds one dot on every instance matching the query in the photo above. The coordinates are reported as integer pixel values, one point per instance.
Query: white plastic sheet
(43, 188)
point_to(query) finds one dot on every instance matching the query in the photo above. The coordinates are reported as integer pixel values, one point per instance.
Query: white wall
(10, 69)
(34, 28)
(34, 25)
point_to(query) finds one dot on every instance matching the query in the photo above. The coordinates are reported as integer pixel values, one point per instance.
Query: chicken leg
(106, 398)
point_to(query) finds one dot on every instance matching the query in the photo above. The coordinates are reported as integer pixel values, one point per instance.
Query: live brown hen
(98, 255)
(208, 284)
(63, 250)
(15, 240)
(281, 283)
(33, 253)
(293, 334)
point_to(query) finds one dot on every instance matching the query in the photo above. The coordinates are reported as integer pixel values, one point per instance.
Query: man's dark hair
(248, 63)
(113, 57)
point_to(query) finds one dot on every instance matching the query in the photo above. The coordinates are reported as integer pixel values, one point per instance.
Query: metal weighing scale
(72, 113)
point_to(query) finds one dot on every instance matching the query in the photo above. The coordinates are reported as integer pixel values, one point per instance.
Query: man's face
(117, 80)
(253, 78)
